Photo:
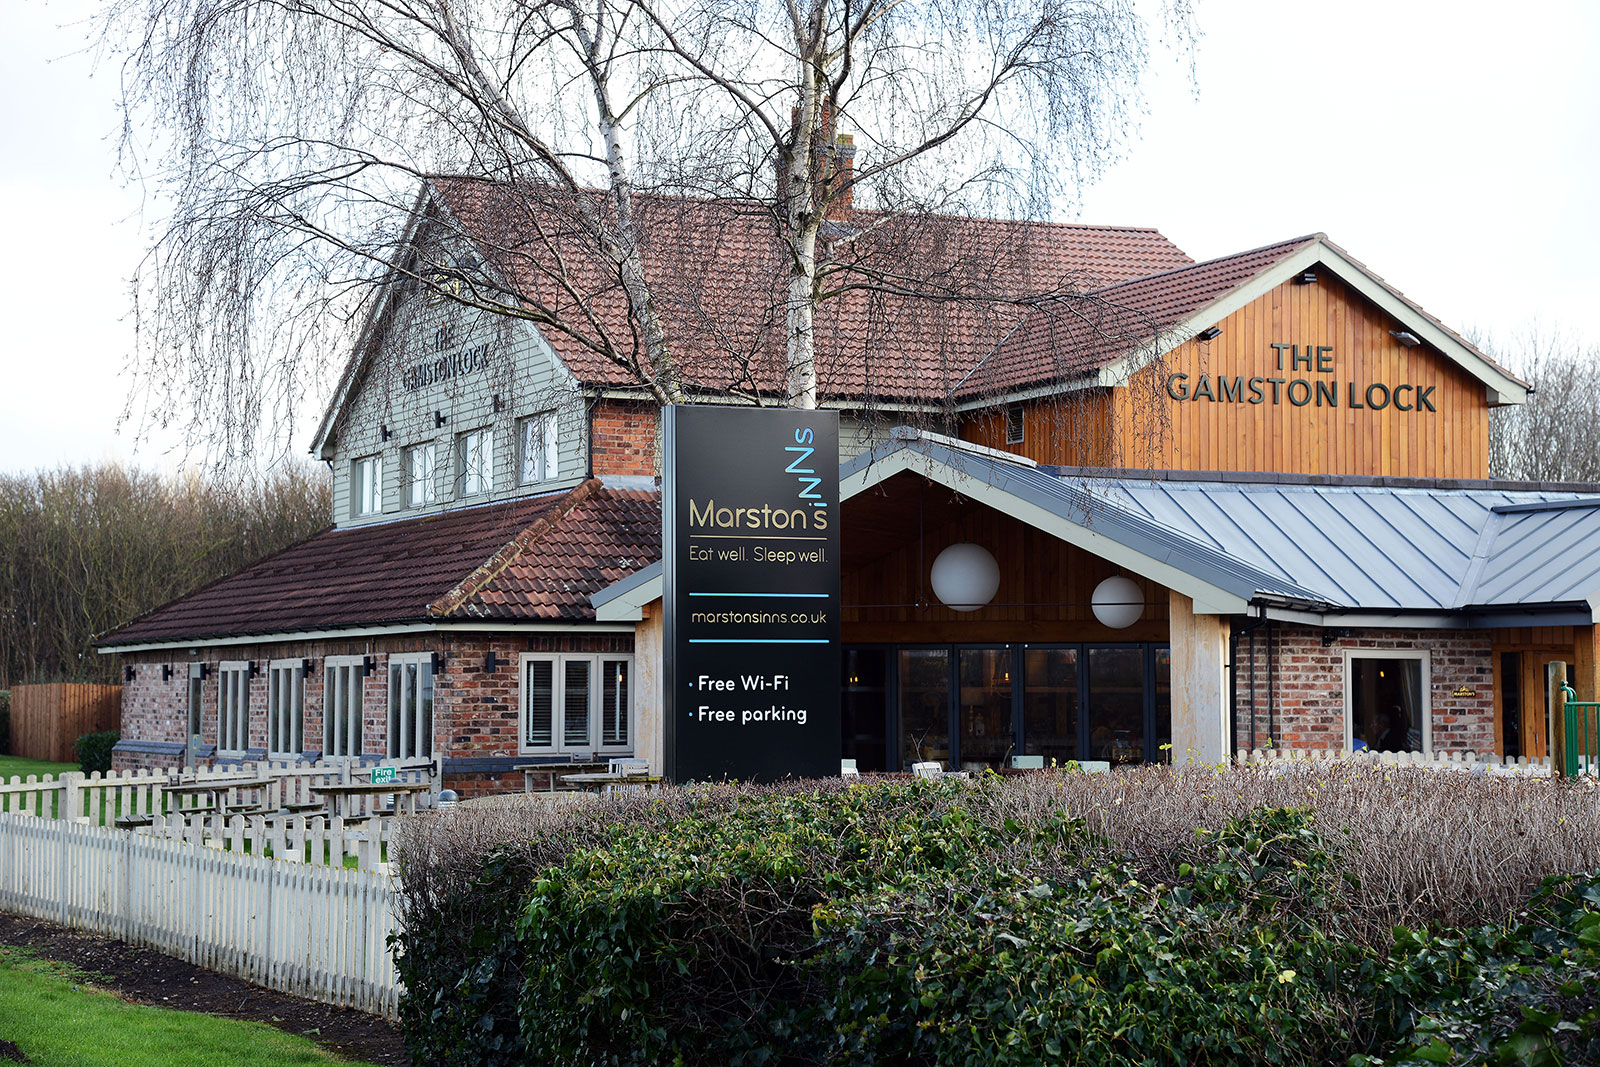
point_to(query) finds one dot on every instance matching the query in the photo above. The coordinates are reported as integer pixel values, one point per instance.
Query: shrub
(94, 751)
(1165, 915)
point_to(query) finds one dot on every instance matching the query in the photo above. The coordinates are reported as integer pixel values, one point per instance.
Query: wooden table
(605, 782)
(338, 791)
(217, 788)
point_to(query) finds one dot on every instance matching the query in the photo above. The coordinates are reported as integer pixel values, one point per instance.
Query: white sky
(1452, 147)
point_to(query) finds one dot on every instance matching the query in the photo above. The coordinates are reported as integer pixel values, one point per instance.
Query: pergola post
(1199, 684)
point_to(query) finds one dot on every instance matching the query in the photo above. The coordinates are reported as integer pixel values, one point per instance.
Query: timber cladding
(47, 720)
(1306, 379)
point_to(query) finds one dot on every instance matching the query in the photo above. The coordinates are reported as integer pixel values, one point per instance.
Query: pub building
(1244, 503)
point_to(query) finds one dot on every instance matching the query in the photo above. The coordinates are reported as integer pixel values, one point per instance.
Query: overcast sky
(1454, 148)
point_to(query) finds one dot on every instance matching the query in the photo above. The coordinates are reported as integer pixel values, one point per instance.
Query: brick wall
(1310, 676)
(475, 712)
(624, 438)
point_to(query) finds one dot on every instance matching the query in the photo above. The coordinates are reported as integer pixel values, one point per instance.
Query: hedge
(959, 923)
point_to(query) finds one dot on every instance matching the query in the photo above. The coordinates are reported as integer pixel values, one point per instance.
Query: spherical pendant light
(965, 576)
(1118, 602)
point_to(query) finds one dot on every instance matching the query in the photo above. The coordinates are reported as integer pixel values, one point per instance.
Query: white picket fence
(312, 839)
(104, 798)
(319, 932)
(1531, 766)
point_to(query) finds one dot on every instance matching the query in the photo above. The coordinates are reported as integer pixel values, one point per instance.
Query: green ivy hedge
(94, 751)
(897, 923)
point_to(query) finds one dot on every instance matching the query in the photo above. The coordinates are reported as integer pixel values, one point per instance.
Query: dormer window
(536, 439)
(474, 462)
(366, 485)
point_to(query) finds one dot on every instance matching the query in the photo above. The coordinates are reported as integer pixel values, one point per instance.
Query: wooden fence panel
(314, 931)
(47, 720)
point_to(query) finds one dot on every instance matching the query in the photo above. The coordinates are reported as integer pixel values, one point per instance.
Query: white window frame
(1021, 416)
(286, 708)
(1426, 677)
(421, 491)
(403, 730)
(366, 485)
(197, 700)
(593, 713)
(538, 460)
(233, 707)
(340, 738)
(483, 480)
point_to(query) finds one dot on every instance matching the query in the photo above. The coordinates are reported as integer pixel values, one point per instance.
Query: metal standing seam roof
(1340, 544)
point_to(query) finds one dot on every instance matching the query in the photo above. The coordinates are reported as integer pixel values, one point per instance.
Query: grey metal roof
(1358, 544)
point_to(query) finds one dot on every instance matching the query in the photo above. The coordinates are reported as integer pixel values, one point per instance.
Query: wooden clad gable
(1308, 378)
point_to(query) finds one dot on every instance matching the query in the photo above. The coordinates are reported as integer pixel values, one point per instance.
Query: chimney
(832, 158)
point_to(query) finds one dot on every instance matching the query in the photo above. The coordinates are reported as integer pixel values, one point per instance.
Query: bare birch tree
(287, 141)
(1555, 436)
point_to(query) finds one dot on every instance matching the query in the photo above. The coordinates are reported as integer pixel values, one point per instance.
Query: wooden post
(1199, 684)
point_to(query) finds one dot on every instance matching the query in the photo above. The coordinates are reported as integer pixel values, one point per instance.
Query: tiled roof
(1073, 336)
(718, 276)
(534, 559)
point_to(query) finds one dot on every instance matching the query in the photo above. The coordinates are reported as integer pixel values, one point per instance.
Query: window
(233, 708)
(474, 463)
(197, 675)
(341, 706)
(1014, 424)
(286, 709)
(1386, 699)
(411, 706)
(366, 485)
(417, 466)
(536, 442)
(576, 704)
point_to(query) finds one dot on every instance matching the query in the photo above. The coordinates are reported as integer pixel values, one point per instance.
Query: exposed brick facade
(475, 712)
(625, 438)
(1309, 678)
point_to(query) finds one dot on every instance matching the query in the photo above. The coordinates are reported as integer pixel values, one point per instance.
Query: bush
(1158, 916)
(5, 722)
(94, 751)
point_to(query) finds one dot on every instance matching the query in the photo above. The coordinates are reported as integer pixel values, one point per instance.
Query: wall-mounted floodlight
(1208, 333)
(1406, 337)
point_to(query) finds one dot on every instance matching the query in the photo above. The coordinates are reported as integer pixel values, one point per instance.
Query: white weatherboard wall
(316, 932)
(521, 370)
(1199, 683)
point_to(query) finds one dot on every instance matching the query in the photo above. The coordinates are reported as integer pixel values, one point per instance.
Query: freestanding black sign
(750, 527)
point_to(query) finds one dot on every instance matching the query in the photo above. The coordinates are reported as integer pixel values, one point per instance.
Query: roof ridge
(1301, 240)
(503, 557)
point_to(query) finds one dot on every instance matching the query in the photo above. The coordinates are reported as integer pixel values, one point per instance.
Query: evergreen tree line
(83, 550)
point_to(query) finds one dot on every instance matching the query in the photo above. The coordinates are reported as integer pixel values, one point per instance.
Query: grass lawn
(56, 1021)
(18, 766)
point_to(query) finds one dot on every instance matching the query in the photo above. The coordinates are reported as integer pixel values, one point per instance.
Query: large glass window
(411, 706)
(366, 485)
(418, 465)
(576, 704)
(1050, 704)
(538, 459)
(1116, 704)
(341, 706)
(864, 708)
(987, 737)
(1386, 696)
(286, 709)
(924, 705)
(233, 708)
(474, 462)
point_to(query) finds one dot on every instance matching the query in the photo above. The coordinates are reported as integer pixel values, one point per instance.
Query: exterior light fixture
(1209, 333)
(1306, 278)
(490, 663)
(306, 667)
(383, 431)
(439, 419)
(1118, 602)
(436, 661)
(965, 576)
(166, 672)
(1406, 337)
(128, 673)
